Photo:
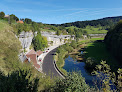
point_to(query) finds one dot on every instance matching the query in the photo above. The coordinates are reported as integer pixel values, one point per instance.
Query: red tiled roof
(39, 52)
(31, 52)
(20, 22)
(32, 58)
(37, 66)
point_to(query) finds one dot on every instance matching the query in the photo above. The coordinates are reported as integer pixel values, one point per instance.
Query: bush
(73, 82)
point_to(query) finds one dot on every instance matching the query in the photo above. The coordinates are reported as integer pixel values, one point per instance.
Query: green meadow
(94, 30)
(98, 51)
(91, 29)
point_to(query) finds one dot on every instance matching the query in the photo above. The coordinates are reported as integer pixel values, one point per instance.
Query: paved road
(48, 66)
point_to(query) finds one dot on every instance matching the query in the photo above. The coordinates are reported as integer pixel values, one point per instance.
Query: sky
(62, 11)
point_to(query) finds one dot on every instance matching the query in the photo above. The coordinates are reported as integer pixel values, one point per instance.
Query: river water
(71, 65)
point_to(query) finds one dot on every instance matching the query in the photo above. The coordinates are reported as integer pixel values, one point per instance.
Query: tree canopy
(2, 14)
(73, 82)
(113, 41)
(39, 42)
(28, 21)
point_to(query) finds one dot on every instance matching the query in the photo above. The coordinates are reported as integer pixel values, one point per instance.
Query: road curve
(48, 66)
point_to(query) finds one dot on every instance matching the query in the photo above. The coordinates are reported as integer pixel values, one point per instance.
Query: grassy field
(90, 40)
(91, 29)
(98, 51)
(72, 27)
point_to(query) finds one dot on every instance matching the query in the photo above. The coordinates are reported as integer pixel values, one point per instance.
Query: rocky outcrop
(25, 39)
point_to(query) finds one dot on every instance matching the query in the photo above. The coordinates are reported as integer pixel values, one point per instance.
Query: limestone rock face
(26, 39)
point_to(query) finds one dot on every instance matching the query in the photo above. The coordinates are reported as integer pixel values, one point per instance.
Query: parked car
(46, 51)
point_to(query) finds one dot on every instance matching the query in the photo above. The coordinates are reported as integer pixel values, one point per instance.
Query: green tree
(13, 18)
(70, 31)
(26, 27)
(35, 27)
(78, 33)
(119, 82)
(105, 78)
(58, 32)
(113, 41)
(28, 21)
(39, 42)
(18, 81)
(19, 28)
(2, 14)
(73, 82)
(73, 44)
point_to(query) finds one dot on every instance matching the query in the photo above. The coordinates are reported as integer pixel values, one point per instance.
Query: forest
(108, 21)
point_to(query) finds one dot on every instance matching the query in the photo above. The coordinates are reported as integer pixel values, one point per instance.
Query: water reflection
(72, 65)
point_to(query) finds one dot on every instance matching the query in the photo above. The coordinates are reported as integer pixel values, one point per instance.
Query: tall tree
(2, 14)
(39, 42)
(113, 40)
(58, 32)
(13, 18)
(28, 21)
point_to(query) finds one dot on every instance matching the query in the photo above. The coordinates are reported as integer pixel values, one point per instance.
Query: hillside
(113, 41)
(4, 25)
(108, 21)
(9, 48)
(15, 75)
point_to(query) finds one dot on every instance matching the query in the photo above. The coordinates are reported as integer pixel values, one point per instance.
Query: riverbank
(95, 52)
(60, 61)
(73, 50)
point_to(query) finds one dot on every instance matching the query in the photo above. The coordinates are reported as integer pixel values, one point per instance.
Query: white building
(56, 39)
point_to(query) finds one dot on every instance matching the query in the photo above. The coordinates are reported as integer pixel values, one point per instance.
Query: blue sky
(62, 11)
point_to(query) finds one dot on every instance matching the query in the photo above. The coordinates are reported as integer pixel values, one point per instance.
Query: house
(20, 22)
(6, 16)
(56, 40)
(34, 58)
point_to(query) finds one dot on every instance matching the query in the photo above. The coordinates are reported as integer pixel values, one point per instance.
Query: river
(71, 65)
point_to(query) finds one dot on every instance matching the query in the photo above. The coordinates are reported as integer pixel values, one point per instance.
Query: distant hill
(108, 21)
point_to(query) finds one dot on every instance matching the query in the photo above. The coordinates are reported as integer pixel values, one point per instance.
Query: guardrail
(58, 70)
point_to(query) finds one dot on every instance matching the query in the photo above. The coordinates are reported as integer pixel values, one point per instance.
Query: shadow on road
(53, 54)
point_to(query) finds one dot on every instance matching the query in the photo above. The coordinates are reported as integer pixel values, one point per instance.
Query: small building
(34, 58)
(6, 16)
(21, 22)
